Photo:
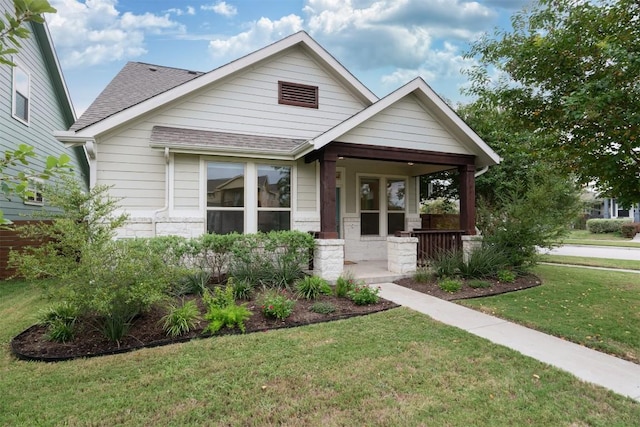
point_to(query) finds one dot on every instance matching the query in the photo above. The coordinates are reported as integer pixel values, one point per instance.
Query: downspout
(481, 171)
(154, 217)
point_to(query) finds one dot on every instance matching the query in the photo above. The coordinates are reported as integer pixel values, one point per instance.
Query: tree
(569, 73)
(12, 29)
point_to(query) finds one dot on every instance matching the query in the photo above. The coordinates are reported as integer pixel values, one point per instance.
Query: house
(282, 138)
(34, 102)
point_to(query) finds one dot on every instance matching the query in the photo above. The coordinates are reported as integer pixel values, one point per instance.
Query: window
(21, 94)
(297, 94)
(34, 193)
(274, 198)
(379, 217)
(225, 197)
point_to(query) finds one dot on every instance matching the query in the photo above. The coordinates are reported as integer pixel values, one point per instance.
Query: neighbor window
(225, 197)
(298, 94)
(21, 94)
(34, 193)
(274, 198)
(382, 213)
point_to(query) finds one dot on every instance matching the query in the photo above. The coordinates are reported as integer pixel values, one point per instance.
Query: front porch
(372, 272)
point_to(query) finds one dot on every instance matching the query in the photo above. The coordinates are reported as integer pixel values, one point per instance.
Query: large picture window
(382, 213)
(21, 94)
(225, 197)
(274, 198)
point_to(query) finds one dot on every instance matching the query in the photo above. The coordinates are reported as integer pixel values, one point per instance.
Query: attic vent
(192, 72)
(297, 94)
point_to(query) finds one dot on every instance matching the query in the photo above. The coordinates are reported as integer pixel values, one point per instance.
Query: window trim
(291, 194)
(14, 91)
(383, 211)
(242, 208)
(296, 86)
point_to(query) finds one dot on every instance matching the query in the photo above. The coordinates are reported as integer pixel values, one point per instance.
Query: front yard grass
(392, 368)
(591, 262)
(585, 237)
(598, 309)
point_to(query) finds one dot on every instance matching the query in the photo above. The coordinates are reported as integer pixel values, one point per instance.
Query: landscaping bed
(146, 330)
(493, 287)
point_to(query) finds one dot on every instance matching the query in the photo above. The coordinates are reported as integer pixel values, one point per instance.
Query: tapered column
(467, 199)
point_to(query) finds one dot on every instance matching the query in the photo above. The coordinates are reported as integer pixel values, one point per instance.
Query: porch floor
(372, 272)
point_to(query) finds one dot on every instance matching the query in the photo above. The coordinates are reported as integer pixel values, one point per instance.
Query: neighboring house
(34, 102)
(282, 138)
(605, 207)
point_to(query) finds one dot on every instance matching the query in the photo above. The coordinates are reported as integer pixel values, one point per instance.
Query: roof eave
(230, 152)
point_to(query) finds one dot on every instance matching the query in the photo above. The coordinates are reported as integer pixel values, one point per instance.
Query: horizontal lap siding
(186, 182)
(248, 103)
(407, 125)
(306, 187)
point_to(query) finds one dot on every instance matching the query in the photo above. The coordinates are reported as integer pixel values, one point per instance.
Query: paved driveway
(596, 252)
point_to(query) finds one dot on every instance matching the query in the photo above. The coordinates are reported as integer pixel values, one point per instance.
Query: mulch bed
(497, 287)
(146, 331)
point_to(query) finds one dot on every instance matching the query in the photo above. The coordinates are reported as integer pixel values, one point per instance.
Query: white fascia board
(71, 138)
(191, 86)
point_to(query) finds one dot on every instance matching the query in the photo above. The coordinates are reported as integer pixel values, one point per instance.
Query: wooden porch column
(328, 229)
(467, 199)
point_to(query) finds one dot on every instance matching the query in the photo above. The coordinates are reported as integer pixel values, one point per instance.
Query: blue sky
(384, 43)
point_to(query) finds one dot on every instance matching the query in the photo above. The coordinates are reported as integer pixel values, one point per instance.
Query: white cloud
(94, 32)
(189, 10)
(221, 8)
(261, 33)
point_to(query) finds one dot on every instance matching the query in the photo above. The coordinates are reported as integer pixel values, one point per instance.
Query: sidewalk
(618, 375)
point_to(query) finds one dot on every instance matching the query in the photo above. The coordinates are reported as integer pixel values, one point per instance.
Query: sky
(383, 43)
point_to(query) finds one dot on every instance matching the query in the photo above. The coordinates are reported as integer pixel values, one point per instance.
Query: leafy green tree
(15, 182)
(569, 71)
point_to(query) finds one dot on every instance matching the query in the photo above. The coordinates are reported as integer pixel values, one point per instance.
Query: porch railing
(432, 242)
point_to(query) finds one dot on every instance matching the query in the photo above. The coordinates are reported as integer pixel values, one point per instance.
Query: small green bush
(423, 275)
(311, 287)
(446, 263)
(276, 305)
(477, 283)
(181, 318)
(230, 316)
(60, 321)
(323, 307)
(600, 225)
(484, 261)
(115, 326)
(242, 289)
(194, 283)
(506, 276)
(364, 295)
(222, 296)
(61, 331)
(344, 284)
(450, 285)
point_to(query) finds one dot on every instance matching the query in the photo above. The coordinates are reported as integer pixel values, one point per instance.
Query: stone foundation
(469, 244)
(328, 258)
(402, 254)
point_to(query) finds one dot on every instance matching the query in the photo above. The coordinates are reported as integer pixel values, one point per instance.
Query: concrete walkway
(589, 365)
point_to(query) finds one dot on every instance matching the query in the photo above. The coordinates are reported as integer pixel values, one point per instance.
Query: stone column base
(328, 258)
(469, 244)
(402, 254)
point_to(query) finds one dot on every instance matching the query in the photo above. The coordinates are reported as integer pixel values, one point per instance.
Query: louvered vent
(298, 94)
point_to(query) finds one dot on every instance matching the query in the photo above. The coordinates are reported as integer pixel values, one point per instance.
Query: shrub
(484, 261)
(181, 318)
(310, 287)
(600, 225)
(476, 283)
(629, 230)
(438, 206)
(230, 316)
(446, 263)
(60, 321)
(114, 326)
(423, 275)
(60, 331)
(506, 276)
(193, 283)
(215, 251)
(450, 285)
(323, 307)
(364, 295)
(222, 296)
(276, 305)
(242, 289)
(344, 284)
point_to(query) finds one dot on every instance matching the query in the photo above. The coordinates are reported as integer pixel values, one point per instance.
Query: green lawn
(584, 237)
(592, 262)
(392, 368)
(595, 308)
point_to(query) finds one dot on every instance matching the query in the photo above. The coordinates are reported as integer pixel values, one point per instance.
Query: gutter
(481, 171)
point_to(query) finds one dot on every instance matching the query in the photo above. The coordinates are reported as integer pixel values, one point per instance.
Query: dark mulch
(146, 330)
(497, 287)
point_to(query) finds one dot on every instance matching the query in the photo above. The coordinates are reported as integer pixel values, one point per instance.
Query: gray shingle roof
(210, 140)
(135, 83)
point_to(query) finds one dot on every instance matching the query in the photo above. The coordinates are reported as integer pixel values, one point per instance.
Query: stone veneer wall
(402, 254)
(328, 258)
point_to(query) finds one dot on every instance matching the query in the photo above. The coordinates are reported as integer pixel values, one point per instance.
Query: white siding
(405, 124)
(248, 103)
(186, 181)
(307, 187)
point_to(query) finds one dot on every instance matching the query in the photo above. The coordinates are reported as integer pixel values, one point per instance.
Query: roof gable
(103, 117)
(437, 116)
